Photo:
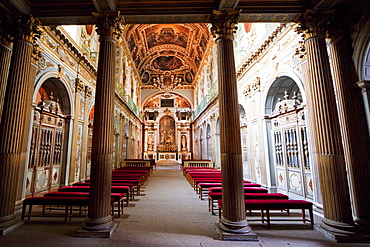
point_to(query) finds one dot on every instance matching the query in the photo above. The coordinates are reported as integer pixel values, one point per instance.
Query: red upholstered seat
(214, 196)
(274, 205)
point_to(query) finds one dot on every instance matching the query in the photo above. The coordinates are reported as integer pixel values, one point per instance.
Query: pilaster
(99, 222)
(233, 224)
(16, 109)
(325, 134)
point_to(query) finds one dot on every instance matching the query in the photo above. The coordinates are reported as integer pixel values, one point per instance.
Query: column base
(342, 232)
(9, 223)
(6, 230)
(97, 228)
(229, 236)
(364, 225)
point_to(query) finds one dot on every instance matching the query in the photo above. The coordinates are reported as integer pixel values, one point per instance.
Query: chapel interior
(273, 92)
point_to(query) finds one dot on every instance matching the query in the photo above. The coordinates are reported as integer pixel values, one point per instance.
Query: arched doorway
(48, 142)
(288, 143)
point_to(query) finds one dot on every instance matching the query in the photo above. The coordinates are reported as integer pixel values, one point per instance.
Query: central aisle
(169, 211)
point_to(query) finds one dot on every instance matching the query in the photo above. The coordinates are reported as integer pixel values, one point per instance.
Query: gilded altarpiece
(291, 153)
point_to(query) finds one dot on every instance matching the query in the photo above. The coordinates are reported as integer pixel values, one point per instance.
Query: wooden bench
(202, 186)
(213, 197)
(118, 198)
(267, 205)
(68, 204)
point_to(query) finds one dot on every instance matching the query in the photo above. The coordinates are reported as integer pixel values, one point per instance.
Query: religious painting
(167, 131)
(167, 63)
(162, 34)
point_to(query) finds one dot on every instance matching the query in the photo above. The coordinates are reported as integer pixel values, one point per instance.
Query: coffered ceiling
(57, 12)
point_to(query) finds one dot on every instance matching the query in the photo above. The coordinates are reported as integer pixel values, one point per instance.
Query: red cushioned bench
(119, 198)
(67, 202)
(130, 195)
(213, 197)
(202, 186)
(276, 205)
(114, 189)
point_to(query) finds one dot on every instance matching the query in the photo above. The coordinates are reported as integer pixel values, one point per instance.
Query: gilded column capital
(224, 23)
(5, 37)
(315, 23)
(108, 24)
(25, 27)
(80, 86)
(88, 92)
(36, 54)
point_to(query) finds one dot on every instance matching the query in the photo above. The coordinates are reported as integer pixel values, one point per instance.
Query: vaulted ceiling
(168, 55)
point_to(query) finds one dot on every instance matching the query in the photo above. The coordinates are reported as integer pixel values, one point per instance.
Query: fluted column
(355, 135)
(325, 130)
(233, 220)
(5, 56)
(17, 101)
(99, 218)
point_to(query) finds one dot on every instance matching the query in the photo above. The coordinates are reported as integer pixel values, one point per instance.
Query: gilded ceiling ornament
(224, 22)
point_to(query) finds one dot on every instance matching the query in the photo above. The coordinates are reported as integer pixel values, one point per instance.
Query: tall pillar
(233, 224)
(15, 110)
(325, 133)
(5, 56)
(352, 117)
(99, 222)
(75, 167)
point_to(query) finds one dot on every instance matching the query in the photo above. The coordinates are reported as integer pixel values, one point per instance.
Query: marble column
(325, 134)
(5, 56)
(233, 223)
(15, 110)
(353, 122)
(99, 222)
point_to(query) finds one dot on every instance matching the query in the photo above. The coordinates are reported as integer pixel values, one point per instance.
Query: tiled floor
(167, 213)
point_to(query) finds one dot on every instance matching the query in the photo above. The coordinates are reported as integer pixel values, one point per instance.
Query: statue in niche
(183, 143)
(150, 142)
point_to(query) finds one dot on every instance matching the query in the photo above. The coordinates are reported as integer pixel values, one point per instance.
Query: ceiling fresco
(168, 56)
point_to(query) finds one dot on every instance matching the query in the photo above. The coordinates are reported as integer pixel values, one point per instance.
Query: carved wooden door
(291, 157)
(46, 152)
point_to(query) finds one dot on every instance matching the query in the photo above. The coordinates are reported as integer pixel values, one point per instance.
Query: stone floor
(167, 213)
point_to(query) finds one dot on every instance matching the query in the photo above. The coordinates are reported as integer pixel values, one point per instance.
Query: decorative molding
(259, 52)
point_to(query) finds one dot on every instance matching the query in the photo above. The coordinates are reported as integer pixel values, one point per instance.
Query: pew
(202, 186)
(267, 205)
(117, 197)
(67, 202)
(215, 196)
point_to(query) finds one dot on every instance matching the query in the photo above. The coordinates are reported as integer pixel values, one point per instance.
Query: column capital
(108, 24)
(224, 23)
(80, 86)
(315, 23)
(36, 53)
(25, 27)
(5, 37)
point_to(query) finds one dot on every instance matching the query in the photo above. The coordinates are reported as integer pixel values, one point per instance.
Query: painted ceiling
(168, 55)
